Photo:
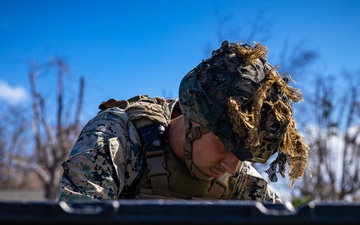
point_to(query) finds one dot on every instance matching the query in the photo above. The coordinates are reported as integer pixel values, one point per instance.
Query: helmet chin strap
(191, 134)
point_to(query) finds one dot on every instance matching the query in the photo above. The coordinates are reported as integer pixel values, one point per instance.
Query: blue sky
(125, 48)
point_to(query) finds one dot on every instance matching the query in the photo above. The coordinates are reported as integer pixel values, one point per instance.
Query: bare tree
(53, 137)
(227, 27)
(13, 141)
(334, 136)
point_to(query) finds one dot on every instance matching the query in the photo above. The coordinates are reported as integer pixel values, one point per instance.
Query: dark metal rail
(177, 212)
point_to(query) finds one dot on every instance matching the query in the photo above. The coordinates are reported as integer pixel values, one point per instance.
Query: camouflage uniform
(107, 163)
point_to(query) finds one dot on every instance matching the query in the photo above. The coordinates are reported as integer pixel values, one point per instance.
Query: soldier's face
(210, 156)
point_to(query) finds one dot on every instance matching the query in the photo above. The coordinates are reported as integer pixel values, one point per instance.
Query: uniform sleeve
(104, 161)
(248, 184)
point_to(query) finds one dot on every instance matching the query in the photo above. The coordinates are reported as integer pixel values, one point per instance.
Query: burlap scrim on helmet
(293, 146)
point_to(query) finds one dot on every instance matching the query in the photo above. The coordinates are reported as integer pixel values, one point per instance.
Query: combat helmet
(237, 95)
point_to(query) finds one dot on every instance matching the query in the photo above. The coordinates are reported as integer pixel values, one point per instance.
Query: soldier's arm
(102, 161)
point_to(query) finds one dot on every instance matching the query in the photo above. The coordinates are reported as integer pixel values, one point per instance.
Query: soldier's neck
(176, 137)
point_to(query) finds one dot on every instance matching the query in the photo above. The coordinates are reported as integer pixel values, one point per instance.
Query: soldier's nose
(229, 163)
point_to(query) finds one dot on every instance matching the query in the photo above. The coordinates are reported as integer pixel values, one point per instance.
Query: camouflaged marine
(126, 151)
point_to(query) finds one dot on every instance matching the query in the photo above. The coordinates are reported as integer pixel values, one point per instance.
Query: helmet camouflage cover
(242, 99)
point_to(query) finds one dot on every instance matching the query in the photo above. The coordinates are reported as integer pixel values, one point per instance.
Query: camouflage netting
(244, 101)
